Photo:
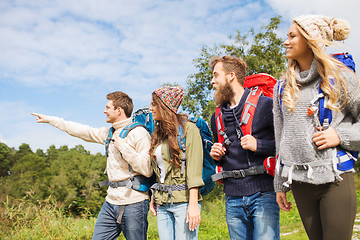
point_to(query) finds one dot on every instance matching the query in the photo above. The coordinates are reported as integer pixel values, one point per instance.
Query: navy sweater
(238, 158)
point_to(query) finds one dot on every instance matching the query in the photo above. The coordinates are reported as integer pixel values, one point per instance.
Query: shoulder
(265, 101)
(350, 78)
(190, 126)
(139, 132)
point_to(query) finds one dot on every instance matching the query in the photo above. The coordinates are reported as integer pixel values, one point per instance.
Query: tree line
(68, 176)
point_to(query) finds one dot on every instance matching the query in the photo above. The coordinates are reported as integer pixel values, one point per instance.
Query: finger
(323, 146)
(35, 114)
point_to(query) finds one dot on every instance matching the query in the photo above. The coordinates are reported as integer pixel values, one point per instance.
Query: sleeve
(348, 129)
(135, 150)
(194, 156)
(266, 144)
(85, 132)
(278, 124)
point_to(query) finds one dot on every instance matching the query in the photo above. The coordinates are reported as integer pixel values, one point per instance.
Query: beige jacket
(134, 151)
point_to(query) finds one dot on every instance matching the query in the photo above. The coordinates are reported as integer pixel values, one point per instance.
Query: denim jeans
(171, 221)
(253, 217)
(133, 224)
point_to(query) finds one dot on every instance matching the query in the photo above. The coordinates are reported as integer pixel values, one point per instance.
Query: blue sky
(62, 57)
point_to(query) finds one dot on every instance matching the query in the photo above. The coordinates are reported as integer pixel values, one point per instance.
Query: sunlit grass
(29, 219)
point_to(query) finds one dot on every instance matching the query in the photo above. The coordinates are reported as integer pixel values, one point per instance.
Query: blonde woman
(323, 189)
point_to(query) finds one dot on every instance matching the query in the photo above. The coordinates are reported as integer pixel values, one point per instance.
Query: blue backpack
(346, 158)
(141, 118)
(144, 116)
(208, 163)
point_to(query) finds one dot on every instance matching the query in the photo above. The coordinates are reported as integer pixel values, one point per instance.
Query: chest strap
(168, 189)
(133, 182)
(239, 173)
(309, 168)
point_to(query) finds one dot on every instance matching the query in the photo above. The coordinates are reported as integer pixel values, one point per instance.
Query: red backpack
(259, 84)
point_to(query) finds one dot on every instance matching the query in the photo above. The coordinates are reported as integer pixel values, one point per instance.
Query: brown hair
(121, 100)
(167, 127)
(231, 64)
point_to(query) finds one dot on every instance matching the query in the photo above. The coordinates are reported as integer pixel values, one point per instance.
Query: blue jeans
(253, 217)
(171, 221)
(133, 223)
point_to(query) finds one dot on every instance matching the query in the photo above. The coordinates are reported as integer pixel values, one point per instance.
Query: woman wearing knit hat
(175, 198)
(307, 144)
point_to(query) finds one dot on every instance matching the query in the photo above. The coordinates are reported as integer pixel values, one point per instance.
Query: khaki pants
(327, 210)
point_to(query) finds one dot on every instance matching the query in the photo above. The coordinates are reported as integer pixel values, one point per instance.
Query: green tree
(6, 159)
(262, 51)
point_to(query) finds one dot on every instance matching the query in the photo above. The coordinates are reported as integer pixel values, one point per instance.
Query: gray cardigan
(294, 131)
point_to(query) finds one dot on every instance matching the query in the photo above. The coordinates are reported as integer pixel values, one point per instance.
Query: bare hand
(249, 142)
(282, 201)
(193, 216)
(217, 151)
(153, 207)
(41, 118)
(326, 139)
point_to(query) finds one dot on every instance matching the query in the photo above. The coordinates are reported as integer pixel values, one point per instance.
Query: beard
(223, 94)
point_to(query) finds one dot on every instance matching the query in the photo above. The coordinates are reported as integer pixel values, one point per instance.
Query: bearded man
(251, 208)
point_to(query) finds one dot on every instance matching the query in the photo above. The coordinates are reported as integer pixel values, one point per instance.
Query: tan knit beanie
(322, 27)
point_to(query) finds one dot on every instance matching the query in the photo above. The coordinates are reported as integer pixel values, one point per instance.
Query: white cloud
(62, 57)
(345, 9)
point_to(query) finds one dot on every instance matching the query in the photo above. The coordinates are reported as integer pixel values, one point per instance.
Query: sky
(61, 57)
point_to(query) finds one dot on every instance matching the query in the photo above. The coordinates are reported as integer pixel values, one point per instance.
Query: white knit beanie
(322, 27)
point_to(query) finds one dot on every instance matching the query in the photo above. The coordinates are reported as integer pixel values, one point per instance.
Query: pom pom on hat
(327, 28)
(170, 96)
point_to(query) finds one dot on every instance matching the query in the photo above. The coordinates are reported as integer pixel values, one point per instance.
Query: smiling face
(296, 46)
(154, 109)
(112, 115)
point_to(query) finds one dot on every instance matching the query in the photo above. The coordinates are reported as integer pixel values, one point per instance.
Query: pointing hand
(41, 118)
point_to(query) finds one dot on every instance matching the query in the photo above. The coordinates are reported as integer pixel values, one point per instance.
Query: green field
(23, 219)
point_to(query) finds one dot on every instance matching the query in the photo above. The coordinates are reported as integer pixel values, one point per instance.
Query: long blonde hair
(167, 127)
(328, 69)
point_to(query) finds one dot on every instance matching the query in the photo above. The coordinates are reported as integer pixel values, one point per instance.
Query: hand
(193, 216)
(249, 142)
(217, 151)
(326, 139)
(41, 118)
(282, 201)
(153, 207)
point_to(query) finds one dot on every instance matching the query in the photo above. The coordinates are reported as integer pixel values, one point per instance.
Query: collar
(122, 123)
(308, 75)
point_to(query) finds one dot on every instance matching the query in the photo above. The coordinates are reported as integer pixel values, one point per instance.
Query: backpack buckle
(311, 110)
(239, 173)
(301, 167)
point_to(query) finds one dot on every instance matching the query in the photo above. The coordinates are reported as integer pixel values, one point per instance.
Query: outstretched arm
(84, 132)
(41, 118)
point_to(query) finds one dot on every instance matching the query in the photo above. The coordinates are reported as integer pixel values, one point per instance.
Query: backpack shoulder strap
(248, 112)
(125, 131)
(280, 90)
(107, 140)
(325, 114)
(220, 128)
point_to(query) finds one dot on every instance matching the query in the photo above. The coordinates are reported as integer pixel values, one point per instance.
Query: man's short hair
(122, 100)
(231, 64)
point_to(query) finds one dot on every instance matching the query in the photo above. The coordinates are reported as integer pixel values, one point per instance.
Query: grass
(29, 219)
